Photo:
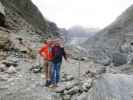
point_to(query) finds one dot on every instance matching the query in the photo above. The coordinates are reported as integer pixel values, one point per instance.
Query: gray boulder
(2, 68)
(130, 58)
(11, 70)
(83, 96)
(4, 40)
(112, 87)
(67, 77)
(119, 59)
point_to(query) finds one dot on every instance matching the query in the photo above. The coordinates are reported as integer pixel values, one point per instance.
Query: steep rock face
(17, 21)
(24, 14)
(21, 32)
(28, 11)
(113, 39)
(53, 29)
(23, 21)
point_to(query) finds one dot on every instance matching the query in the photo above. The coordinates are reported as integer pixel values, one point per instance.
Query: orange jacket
(46, 52)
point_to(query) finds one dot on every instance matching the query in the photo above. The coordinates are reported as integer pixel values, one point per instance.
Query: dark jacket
(58, 53)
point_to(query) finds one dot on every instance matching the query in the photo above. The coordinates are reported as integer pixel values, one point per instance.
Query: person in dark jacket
(58, 54)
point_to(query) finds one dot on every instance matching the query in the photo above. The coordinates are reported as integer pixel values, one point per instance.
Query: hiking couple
(52, 53)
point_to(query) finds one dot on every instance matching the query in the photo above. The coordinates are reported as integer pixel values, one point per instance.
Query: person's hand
(44, 55)
(45, 58)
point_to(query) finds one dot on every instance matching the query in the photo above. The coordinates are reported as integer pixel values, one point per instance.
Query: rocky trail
(96, 82)
(23, 30)
(20, 83)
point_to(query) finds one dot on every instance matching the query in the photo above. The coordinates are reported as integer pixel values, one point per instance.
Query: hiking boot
(48, 83)
(53, 86)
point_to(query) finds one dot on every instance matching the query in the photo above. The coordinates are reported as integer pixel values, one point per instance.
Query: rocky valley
(103, 72)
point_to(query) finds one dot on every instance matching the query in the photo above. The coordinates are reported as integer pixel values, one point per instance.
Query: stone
(2, 9)
(60, 89)
(11, 70)
(94, 71)
(70, 85)
(67, 97)
(36, 69)
(64, 75)
(87, 84)
(43, 76)
(110, 69)
(5, 43)
(67, 77)
(10, 63)
(73, 90)
(63, 80)
(100, 70)
(4, 87)
(24, 49)
(130, 58)
(4, 78)
(119, 59)
(105, 61)
(2, 68)
(83, 96)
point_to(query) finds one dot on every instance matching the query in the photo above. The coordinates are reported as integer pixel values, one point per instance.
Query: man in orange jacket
(46, 53)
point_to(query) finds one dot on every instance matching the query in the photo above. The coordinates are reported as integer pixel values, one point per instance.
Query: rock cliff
(115, 41)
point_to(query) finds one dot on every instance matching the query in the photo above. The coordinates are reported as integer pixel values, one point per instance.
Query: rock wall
(28, 11)
(109, 41)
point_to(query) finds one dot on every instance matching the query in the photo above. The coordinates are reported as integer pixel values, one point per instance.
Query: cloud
(91, 13)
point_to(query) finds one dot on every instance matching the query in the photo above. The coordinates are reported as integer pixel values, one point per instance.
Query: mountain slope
(28, 11)
(21, 35)
(113, 38)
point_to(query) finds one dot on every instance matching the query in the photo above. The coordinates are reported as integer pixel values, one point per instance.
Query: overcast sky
(87, 13)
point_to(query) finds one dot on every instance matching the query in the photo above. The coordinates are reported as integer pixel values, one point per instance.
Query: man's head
(45, 41)
(50, 41)
(60, 41)
(57, 43)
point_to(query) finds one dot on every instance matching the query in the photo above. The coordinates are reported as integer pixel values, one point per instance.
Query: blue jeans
(56, 72)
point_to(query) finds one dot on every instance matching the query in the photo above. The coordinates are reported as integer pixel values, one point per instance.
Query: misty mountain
(78, 33)
(115, 39)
